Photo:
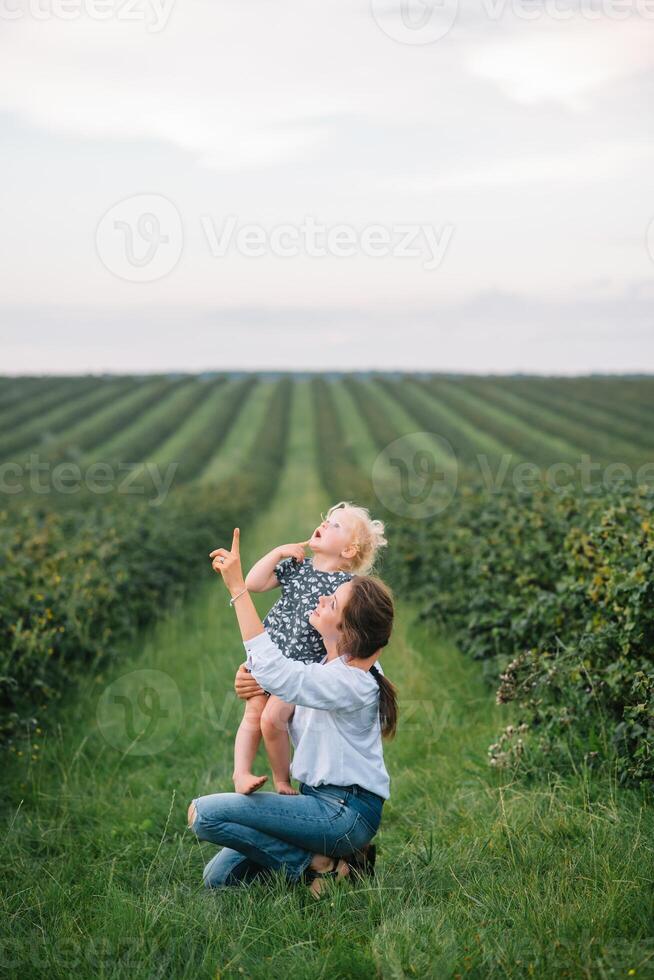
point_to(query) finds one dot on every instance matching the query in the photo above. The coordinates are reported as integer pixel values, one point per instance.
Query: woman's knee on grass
(192, 814)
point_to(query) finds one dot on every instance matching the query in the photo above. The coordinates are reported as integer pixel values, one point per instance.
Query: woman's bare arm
(228, 564)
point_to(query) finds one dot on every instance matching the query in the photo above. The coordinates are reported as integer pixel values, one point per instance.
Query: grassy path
(479, 876)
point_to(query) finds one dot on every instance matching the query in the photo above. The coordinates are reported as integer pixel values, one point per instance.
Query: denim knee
(199, 821)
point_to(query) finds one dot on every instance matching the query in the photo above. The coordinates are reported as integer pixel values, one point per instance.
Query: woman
(343, 708)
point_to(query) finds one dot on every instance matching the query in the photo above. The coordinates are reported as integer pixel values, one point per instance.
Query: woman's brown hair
(366, 627)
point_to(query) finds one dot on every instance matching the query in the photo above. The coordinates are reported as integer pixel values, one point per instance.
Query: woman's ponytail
(365, 629)
(387, 703)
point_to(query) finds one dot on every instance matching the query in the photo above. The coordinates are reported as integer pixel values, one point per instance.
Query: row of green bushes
(16, 394)
(528, 404)
(100, 426)
(337, 464)
(37, 401)
(41, 431)
(143, 439)
(77, 583)
(207, 438)
(552, 592)
(566, 399)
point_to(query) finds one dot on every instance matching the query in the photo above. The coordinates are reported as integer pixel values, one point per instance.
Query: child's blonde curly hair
(368, 536)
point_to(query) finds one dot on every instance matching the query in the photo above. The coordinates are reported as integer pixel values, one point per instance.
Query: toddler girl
(345, 543)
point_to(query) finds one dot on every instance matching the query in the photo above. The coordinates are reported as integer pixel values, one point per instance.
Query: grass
(480, 874)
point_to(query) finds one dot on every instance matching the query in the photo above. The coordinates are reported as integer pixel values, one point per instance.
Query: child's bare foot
(285, 789)
(245, 782)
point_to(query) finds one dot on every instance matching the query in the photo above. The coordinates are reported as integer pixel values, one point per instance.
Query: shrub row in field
(77, 584)
(255, 484)
(564, 399)
(102, 425)
(553, 593)
(149, 433)
(430, 416)
(529, 404)
(626, 399)
(210, 433)
(17, 392)
(373, 412)
(556, 594)
(517, 428)
(336, 462)
(36, 403)
(40, 432)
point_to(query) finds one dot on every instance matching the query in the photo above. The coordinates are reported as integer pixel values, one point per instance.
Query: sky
(395, 184)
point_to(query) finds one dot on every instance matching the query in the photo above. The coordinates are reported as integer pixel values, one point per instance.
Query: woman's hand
(245, 685)
(228, 564)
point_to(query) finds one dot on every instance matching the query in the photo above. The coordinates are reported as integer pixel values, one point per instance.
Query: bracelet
(235, 597)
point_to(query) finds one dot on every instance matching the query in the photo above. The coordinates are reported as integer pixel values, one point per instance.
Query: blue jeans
(264, 832)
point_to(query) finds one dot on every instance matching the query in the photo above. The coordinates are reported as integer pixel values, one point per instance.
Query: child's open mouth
(317, 533)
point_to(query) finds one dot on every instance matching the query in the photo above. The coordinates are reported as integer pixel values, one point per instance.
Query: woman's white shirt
(335, 727)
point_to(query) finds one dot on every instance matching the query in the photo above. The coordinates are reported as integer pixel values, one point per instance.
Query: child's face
(334, 537)
(327, 616)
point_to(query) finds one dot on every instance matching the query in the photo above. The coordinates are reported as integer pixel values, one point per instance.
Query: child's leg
(246, 744)
(274, 728)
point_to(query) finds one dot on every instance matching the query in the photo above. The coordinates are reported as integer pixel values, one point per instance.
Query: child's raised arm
(262, 577)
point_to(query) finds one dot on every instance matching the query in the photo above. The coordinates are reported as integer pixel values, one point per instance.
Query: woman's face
(327, 616)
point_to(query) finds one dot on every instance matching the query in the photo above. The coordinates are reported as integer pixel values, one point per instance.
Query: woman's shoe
(314, 878)
(362, 861)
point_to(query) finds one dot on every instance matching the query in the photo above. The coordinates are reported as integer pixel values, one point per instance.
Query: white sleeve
(309, 685)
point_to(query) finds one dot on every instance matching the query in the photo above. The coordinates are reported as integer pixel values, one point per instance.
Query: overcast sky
(327, 185)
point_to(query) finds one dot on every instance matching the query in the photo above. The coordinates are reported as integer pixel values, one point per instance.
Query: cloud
(209, 84)
(565, 62)
(530, 138)
(597, 161)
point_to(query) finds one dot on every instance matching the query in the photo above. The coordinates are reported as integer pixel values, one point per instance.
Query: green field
(538, 868)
